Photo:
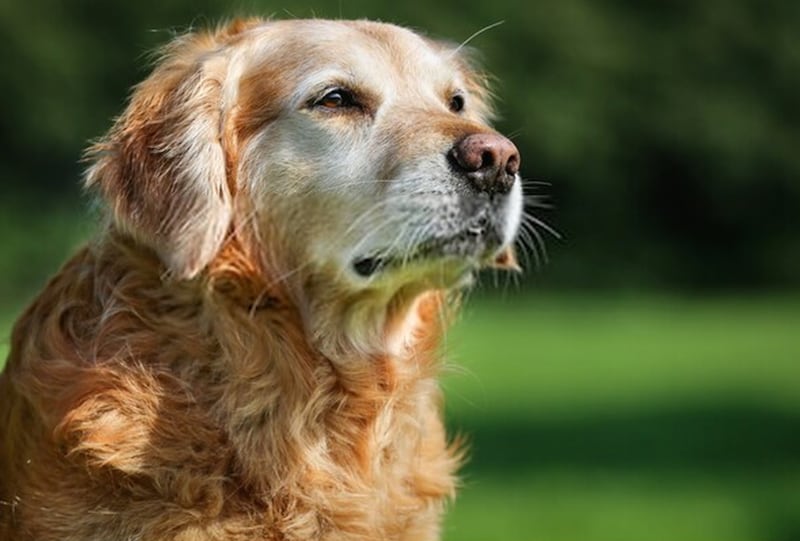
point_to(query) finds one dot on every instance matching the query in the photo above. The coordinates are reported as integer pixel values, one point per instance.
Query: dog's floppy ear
(163, 167)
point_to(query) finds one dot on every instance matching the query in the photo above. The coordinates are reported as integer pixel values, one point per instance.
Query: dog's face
(379, 164)
(355, 153)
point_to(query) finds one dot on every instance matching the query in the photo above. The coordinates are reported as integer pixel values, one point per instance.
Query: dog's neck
(341, 395)
(345, 326)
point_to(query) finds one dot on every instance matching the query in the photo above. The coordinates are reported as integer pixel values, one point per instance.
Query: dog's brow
(322, 80)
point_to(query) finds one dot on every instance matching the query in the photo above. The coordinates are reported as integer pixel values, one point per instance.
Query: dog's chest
(389, 482)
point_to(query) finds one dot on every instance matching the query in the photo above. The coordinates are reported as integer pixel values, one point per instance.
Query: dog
(248, 348)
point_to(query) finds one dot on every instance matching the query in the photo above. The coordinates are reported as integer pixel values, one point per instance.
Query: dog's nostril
(487, 159)
(512, 166)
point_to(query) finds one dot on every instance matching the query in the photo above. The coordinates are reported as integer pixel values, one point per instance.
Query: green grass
(633, 418)
(563, 352)
(601, 418)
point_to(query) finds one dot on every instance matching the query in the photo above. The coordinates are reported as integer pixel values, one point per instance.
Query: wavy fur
(195, 373)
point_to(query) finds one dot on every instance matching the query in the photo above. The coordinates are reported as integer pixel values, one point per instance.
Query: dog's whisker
(369, 234)
(475, 35)
(341, 187)
(367, 214)
(529, 224)
(537, 201)
(286, 275)
(533, 183)
(532, 248)
(539, 222)
(417, 236)
(388, 251)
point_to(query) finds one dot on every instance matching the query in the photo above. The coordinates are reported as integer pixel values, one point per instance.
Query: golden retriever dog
(248, 348)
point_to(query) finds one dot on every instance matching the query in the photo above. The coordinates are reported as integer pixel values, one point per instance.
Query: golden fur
(200, 371)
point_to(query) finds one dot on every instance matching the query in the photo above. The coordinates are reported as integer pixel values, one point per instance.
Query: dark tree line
(669, 131)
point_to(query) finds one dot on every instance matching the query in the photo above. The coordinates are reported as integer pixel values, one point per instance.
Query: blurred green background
(642, 385)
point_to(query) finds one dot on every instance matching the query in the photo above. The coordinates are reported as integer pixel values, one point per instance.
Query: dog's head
(352, 154)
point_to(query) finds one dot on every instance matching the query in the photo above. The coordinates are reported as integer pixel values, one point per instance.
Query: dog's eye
(337, 98)
(457, 103)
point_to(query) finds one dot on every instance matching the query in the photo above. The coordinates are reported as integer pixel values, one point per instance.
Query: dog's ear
(165, 167)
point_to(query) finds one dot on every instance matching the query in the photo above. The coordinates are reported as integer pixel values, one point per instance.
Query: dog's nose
(489, 160)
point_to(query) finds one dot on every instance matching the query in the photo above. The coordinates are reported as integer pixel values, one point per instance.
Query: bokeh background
(644, 382)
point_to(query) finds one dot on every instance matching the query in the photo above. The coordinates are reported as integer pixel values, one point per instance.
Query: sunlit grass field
(612, 418)
(625, 417)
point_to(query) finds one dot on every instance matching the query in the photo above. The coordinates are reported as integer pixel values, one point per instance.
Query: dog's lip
(475, 245)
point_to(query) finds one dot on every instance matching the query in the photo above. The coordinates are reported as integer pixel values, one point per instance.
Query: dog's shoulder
(91, 387)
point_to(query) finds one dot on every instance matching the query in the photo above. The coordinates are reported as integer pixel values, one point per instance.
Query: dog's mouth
(472, 246)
